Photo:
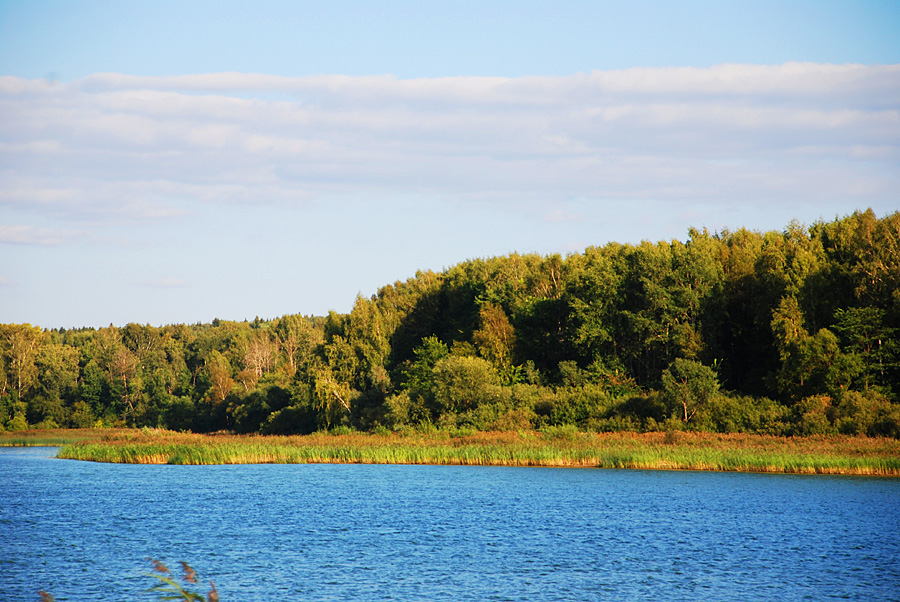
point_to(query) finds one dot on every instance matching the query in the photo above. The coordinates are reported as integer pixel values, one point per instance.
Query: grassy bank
(685, 451)
(54, 437)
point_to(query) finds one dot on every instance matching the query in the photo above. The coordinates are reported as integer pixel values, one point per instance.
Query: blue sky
(170, 162)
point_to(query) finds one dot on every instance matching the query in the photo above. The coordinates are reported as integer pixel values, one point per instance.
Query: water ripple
(403, 533)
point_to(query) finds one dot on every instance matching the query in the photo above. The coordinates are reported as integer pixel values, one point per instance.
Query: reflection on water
(354, 532)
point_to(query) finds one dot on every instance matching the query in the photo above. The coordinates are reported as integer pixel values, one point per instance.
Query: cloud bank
(117, 147)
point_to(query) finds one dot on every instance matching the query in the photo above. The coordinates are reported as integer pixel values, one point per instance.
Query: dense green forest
(788, 333)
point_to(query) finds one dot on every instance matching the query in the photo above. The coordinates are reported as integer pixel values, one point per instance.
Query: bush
(888, 423)
(857, 413)
(17, 423)
(381, 431)
(82, 416)
(638, 412)
(462, 432)
(515, 420)
(743, 414)
(46, 424)
(398, 410)
(811, 416)
(614, 424)
(293, 420)
(251, 412)
(575, 405)
(463, 383)
(567, 432)
(426, 428)
(179, 413)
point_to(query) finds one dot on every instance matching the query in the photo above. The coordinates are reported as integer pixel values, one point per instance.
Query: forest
(783, 333)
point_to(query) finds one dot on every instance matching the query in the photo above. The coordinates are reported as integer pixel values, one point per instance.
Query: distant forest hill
(787, 333)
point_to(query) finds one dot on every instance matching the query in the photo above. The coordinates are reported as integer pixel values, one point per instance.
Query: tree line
(791, 332)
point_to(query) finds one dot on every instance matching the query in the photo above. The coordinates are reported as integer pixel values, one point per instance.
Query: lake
(82, 531)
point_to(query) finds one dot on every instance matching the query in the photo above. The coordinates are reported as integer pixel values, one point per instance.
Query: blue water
(82, 531)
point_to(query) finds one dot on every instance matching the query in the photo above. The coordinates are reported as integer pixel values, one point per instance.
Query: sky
(176, 162)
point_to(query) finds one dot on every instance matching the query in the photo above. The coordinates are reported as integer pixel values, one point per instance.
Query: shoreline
(850, 456)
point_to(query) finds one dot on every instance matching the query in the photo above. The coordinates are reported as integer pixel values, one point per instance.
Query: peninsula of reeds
(552, 447)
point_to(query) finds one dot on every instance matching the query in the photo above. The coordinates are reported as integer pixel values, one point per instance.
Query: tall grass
(691, 451)
(54, 437)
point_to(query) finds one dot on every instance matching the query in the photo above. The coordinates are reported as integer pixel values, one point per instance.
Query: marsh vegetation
(554, 446)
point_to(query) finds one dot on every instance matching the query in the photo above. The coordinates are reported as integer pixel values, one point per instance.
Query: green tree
(689, 386)
(331, 396)
(817, 365)
(666, 294)
(56, 385)
(810, 364)
(297, 337)
(864, 333)
(20, 351)
(495, 339)
(368, 331)
(219, 372)
(743, 336)
(120, 368)
(58, 370)
(418, 376)
(463, 383)
(592, 295)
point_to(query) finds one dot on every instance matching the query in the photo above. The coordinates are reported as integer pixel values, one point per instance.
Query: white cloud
(29, 235)
(139, 147)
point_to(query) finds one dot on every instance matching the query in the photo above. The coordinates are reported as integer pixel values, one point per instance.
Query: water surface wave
(362, 532)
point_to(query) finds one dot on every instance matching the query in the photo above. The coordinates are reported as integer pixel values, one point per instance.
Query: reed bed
(687, 451)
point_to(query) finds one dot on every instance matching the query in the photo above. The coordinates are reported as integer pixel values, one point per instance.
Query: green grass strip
(645, 451)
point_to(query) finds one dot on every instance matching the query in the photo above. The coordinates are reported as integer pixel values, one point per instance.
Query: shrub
(399, 410)
(426, 428)
(82, 416)
(480, 418)
(17, 423)
(614, 424)
(567, 432)
(638, 412)
(515, 420)
(461, 432)
(575, 405)
(743, 414)
(464, 383)
(857, 413)
(46, 424)
(179, 413)
(811, 416)
(888, 423)
(293, 420)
